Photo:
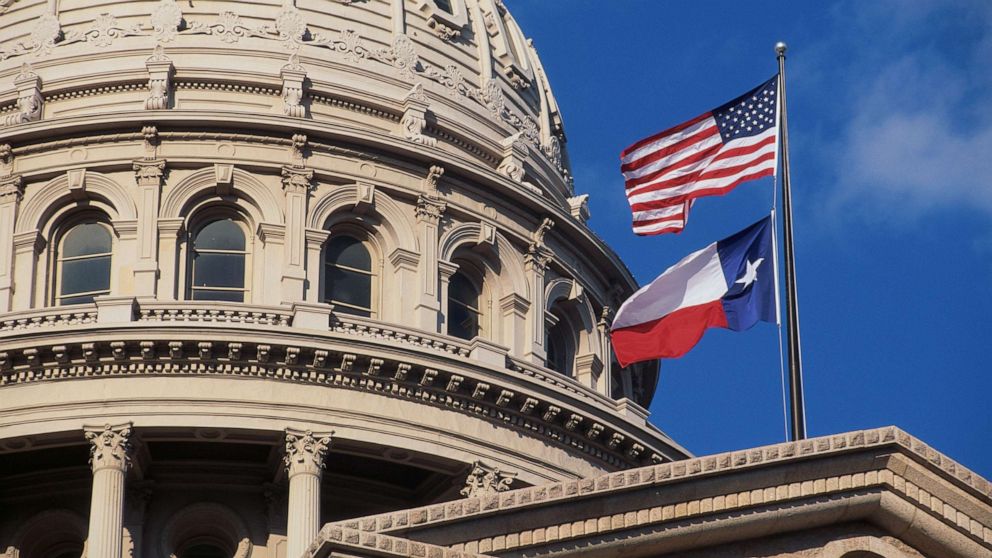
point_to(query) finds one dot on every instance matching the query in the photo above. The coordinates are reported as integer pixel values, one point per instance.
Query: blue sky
(890, 114)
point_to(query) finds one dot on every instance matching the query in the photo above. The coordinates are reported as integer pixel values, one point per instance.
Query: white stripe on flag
(695, 280)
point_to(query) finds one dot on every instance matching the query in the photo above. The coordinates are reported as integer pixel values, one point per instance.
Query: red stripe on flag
(659, 135)
(715, 191)
(703, 174)
(670, 336)
(679, 145)
(681, 163)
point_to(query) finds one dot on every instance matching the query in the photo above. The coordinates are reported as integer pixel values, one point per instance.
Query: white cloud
(915, 112)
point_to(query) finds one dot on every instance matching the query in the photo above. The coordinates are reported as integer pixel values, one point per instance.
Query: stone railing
(48, 318)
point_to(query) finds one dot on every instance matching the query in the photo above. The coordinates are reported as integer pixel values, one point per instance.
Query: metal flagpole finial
(780, 48)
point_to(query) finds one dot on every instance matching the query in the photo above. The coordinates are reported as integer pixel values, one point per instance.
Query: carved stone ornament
(305, 451)
(484, 480)
(414, 120)
(291, 27)
(110, 447)
(159, 80)
(29, 99)
(434, 175)
(166, 19)
(46, 31)
(405, 55)
(293, 77)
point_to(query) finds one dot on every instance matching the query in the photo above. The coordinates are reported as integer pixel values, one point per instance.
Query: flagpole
(797, 403)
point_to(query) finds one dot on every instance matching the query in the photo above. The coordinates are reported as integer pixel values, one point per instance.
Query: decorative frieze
(485, 398)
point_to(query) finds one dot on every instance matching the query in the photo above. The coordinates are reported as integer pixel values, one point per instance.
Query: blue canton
(750, 114)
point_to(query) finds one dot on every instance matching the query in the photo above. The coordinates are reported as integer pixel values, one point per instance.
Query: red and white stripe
(665, 172)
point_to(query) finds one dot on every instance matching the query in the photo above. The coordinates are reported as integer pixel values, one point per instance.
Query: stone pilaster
(304, 460)
(110, 458)
(607, 346)
(315, 240)
(170, 232)
(148, 175)
(27, 246)
(430, 209)
(296, 183)
(536, 265)
(11, 193)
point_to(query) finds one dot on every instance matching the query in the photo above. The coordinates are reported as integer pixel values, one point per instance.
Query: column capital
(110, 446)
(296, 180)
(148, 172)
(537, 258)
(430, 208)
(305, 451)
(11, 188)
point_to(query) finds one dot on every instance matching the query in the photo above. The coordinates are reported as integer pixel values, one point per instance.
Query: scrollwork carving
(484, 480)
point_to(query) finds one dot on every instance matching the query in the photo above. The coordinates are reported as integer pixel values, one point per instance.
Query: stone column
(304, 462)
(296, 185)
(110, 458)
(11, 192)
(148, 175)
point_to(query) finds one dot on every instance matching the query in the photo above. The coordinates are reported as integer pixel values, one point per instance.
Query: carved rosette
(484, 480)
(110, 447)
(305, 451)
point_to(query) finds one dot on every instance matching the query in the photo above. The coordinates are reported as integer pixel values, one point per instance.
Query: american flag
(706, 156)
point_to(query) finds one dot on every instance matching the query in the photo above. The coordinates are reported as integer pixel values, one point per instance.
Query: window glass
(223, 234)
(348, 276)
(463, 307)
(557, 349)
(218, 262)
(445, 5)
(86, 239)
(84, 260)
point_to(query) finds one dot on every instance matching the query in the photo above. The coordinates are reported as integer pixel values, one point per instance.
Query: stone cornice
(821, 479)
(185, 343)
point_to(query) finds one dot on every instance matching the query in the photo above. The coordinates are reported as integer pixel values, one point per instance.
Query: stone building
(311, 278)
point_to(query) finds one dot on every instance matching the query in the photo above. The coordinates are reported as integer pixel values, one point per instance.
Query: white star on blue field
(890, 121)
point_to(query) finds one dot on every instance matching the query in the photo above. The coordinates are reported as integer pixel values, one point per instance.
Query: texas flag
(730, 284)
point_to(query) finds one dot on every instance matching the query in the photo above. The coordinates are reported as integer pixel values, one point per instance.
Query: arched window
(463, 307)
(218, 262)
(348, 276)
(83, 265)
(560, 347)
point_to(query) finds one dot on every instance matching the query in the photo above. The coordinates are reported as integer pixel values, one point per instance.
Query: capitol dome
(266, 265)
